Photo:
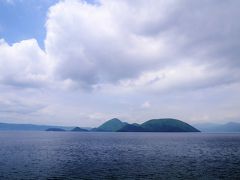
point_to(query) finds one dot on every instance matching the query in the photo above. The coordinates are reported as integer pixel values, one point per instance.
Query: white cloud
(93, 44)
(129, 51)
(146, 104)
(23, 64)
(120, 41)
(131, 45)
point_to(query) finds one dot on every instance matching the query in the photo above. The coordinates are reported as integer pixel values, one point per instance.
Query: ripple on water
(45, 155)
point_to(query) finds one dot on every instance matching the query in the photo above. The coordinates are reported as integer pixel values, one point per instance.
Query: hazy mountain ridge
(32, 127)
(55, 129)
(227, 127)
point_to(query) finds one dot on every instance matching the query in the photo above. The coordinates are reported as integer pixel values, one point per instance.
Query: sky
(76, 62)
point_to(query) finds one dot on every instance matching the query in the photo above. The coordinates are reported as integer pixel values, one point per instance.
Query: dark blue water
(68, 155)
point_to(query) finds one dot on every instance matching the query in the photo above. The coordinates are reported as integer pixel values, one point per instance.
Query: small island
(78, 129)
(55, 129)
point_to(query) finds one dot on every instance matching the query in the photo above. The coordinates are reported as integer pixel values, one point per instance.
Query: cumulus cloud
(112, 41)
(23, 64)
(120, 43)
(131, 51)
(92, 44)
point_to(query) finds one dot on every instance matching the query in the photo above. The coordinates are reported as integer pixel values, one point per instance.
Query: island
(78, 129)
(153, 125)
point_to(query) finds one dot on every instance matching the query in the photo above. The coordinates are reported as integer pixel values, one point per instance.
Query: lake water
(69, 155)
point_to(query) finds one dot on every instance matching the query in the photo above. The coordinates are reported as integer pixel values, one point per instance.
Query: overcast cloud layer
(134, 60)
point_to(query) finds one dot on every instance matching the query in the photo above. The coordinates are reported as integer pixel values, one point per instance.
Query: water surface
(69, 155)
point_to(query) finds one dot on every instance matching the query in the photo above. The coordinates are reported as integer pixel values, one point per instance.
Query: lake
(94, 155)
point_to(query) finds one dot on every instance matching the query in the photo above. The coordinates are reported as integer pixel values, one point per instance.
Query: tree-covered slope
(132, 128)
(167, 125)
(111, 126)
